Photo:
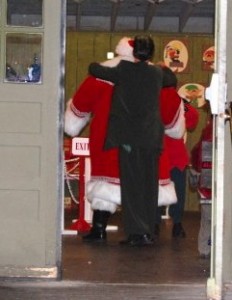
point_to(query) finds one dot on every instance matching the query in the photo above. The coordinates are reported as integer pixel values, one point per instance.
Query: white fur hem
(106, 196)
(167, 194)
(103, 195)
(74, 124)
(99, 204)
(178, 130)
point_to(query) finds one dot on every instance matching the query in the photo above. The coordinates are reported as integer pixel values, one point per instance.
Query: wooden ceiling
(182, 10)
(87, 13)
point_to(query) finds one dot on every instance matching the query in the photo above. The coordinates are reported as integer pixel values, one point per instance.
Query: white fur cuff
(74, 124)
(178, 130)
(167, 194)
(99, 204)
(103, 195)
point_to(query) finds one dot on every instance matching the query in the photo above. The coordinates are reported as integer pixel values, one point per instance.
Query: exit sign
(80, 146)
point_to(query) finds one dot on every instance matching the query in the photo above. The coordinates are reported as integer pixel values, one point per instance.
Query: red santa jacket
(94, 97)
(172, 113)
(91, 104)
(177, 151)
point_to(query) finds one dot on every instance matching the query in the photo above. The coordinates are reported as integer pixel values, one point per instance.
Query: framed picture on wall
(194, 93)
(208, 58)
(176, 54)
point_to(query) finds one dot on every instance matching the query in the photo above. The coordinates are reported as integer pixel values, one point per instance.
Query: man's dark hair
(144, 47)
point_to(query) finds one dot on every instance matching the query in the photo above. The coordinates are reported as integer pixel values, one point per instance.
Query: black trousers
(139, 189)
(176, 210)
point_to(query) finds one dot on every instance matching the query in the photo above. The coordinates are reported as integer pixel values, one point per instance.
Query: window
(23, 57)
(24, 13)
(22, 43)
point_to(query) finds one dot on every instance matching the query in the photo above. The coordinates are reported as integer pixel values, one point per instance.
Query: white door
(31, 134)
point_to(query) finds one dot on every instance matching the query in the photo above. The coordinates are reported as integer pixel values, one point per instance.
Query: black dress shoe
(138, 240)
(178, 231)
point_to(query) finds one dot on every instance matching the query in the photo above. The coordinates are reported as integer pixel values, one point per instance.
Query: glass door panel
(24, 13)
(23, 57)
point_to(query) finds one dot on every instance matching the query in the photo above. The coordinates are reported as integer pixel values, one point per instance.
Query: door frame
(221, 192)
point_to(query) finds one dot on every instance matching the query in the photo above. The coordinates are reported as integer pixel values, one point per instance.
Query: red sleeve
(169, 104)
(191, 116)
(196, 156)
(86, 95)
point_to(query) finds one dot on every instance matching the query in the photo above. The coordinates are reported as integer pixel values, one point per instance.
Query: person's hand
(194, 178)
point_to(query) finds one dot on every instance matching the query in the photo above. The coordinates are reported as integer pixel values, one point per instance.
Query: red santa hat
(171, 104)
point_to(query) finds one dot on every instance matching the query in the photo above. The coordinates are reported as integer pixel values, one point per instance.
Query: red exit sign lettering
(80, 146)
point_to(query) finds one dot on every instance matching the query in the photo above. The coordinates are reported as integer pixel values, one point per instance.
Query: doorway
(194, 216)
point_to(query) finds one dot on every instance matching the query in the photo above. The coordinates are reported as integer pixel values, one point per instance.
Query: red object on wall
(75, 170)
(81, 225)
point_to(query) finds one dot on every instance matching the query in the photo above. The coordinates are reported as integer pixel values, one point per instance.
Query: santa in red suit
(91, 104)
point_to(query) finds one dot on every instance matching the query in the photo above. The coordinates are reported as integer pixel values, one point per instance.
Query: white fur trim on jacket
(178, 129)
(103, 195)
(167, 194)
(100, 204)
(73, 124)
(107, 196)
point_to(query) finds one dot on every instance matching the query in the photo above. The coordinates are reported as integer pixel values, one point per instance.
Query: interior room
(93, 31)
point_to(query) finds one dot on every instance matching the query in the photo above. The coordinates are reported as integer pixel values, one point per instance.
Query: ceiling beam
(185, 15)
(114, 13)
(78, 13)
(151, 8)
(186, 12)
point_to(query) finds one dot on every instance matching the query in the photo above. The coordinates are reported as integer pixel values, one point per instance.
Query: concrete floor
(170, 270)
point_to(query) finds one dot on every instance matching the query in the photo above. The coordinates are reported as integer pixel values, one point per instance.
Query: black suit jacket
(135, 114)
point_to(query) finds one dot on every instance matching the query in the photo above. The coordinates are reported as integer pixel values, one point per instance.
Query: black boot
(98, 230)
(178, 231)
